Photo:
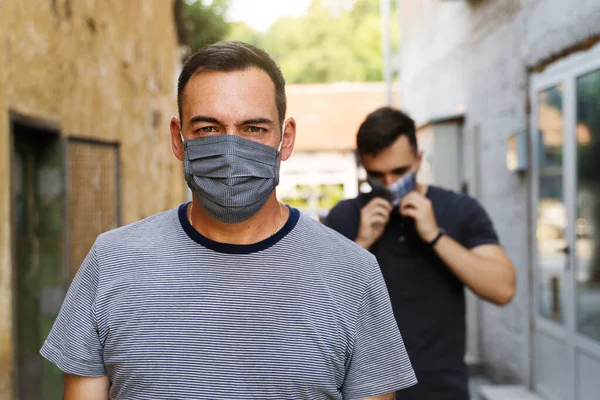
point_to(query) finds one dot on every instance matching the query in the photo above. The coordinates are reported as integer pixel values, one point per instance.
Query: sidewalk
(483, 389)
(475, 385)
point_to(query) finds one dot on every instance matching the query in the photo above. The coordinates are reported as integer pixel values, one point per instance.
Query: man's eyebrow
(257, 121)
(202, 118)
(395, 170)
(401, 169)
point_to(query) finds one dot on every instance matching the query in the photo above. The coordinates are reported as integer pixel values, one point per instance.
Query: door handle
(565, 250)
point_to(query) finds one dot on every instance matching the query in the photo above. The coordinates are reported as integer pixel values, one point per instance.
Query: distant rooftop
(328, 115)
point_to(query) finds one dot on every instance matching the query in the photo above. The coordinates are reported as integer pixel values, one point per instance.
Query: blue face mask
(397, 190)
(402, 187)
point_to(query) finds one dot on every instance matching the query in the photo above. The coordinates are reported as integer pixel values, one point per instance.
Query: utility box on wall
(516, 152)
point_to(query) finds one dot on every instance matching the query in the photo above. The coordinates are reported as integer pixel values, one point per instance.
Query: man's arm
(378, 362)
(485, 269)
(387, 396)
(86, 388)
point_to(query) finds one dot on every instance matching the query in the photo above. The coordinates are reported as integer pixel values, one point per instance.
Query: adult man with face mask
(234, 295)
(430, 243)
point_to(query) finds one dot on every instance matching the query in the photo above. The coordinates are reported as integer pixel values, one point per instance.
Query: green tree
(336, 40)
(315, 47)
(205, 22)
(244, 32)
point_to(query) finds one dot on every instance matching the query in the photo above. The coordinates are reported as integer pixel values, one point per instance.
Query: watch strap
(437, 238)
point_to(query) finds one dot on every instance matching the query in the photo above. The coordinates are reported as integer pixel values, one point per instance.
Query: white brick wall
(475, 55)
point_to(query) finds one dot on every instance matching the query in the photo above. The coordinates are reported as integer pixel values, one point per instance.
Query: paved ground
(475, 382)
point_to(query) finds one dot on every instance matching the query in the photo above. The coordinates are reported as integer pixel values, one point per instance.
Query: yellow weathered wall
(5, 250)
(100, 69)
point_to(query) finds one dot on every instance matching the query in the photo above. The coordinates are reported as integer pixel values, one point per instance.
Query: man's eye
(255, 129)
(208, 129)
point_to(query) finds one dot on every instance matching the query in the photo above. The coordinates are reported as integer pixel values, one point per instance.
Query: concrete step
(506, 392)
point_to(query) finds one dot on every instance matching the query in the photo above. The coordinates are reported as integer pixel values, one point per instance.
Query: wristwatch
(441, 233)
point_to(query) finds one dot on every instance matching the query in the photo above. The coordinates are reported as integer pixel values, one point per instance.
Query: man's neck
(262, 225)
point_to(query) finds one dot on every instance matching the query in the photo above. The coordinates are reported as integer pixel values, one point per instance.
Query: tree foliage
(205, 22)
(336, 40)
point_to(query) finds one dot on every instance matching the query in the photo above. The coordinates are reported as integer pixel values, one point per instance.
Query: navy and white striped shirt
(166, 313)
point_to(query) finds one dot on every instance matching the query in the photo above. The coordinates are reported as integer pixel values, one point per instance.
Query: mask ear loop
(282, 134)
(181, 134)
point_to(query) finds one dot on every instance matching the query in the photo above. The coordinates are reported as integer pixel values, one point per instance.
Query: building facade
(517, 85)
(87, 89)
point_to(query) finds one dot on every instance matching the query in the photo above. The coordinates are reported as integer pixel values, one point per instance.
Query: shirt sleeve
(477, 228)
(73, 343)
(378, 362)
(344, 218)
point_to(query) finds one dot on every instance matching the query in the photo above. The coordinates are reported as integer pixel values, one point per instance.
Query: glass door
(552, 221)
(565, 126)
(552, 247)
(587, 227)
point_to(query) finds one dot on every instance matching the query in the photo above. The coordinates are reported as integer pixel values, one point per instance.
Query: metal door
(38, 215)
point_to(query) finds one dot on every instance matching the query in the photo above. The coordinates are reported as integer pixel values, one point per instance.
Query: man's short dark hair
(233, 56)
(381, 128)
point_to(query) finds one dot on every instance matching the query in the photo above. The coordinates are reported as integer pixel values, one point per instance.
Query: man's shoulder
(148, 231)
(315, 231)
(438, 193)
(343, 265)
(462, 202)
(331, 244)
(464, 215)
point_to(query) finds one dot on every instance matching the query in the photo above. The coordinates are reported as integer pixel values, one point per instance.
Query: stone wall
(476, 56)
(98, 69)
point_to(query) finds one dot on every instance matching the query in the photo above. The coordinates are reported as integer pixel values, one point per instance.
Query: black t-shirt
(427, 298)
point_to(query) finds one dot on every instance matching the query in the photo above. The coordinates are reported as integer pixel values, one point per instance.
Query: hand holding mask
(395, 192)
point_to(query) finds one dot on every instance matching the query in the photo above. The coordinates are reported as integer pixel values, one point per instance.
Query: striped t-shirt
(166, 313)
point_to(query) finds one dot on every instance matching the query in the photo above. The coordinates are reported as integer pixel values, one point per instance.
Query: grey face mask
(231, 177)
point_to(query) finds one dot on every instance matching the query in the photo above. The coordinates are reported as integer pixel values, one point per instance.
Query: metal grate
(93, 171)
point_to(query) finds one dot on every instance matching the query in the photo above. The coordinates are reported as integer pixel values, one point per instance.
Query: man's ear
(289, 139)
(176, 140)
(419, 160)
